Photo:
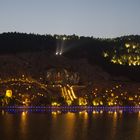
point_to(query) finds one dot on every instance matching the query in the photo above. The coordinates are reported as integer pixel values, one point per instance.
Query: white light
(64, 38)
(56, 53)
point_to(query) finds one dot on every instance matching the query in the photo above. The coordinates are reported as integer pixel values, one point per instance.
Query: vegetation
(110, 54)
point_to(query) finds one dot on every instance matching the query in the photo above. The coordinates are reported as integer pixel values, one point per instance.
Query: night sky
(98, 18)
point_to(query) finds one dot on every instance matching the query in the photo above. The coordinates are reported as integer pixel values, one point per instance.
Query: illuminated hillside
(128, 54)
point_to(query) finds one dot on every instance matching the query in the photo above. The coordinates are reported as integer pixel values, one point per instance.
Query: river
(101, 125)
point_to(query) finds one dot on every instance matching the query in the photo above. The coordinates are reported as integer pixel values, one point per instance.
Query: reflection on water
(81, 125)
(59, 130)
(23, 125)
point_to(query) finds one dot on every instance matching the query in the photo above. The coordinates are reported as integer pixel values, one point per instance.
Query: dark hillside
(111, 55)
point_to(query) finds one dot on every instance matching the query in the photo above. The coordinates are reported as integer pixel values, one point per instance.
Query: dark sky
(98, 18)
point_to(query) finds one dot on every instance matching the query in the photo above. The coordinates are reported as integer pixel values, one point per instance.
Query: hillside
(92, 57)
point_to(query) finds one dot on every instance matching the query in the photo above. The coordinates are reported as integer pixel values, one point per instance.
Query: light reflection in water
(139, 114)
(2, 112)
(68, 129)
(23, 124)
(82, 125)
(137, 127)
(85, 115)
(54, 113)
(70, 122)
(114, 125)
(120, 111)
(101, 111)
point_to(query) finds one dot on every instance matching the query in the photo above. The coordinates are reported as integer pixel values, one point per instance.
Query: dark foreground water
(46, 125)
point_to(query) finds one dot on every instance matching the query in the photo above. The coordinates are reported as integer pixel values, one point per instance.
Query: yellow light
(130, 98)
(23, 113)
(95, 103)
(8, 93)
(112, 94)
(68, 91)
(116, 97)
(101, 111)
(69, 102)
(127, 45)
(110, 103)
(80, 112)
(54, 104)
(101, 103)
(94, 112)
(63, 94)
(82, 101)
(134, 46)
(73, 94)
(54, 113)
(85, 113)
(115, 112)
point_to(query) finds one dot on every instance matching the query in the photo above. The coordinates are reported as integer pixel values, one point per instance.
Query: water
(34, 125)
